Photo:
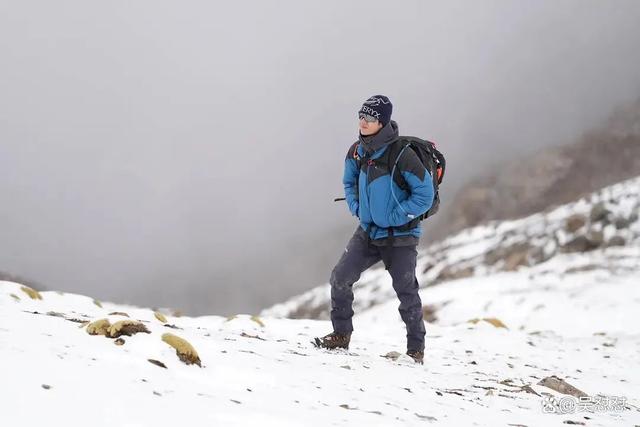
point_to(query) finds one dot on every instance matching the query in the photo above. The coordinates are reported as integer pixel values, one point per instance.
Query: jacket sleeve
(421, 192)
(350, 182)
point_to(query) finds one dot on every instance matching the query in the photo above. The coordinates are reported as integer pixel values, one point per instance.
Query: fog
(186, 154)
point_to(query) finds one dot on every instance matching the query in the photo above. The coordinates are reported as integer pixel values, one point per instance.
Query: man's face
(368, 127)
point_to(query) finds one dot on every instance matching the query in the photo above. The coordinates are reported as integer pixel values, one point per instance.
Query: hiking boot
(334, 340)
(416, 355)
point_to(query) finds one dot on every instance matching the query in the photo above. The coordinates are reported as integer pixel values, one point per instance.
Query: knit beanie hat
(379, 107)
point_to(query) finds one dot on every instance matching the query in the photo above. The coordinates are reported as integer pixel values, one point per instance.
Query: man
(383, 208)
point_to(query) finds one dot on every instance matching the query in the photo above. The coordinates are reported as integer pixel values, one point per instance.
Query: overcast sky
(186, 154)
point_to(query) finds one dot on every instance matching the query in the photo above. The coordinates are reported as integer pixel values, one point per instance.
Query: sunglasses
(367, 118)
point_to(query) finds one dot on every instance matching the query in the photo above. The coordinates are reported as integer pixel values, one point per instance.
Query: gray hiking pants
(400, 262)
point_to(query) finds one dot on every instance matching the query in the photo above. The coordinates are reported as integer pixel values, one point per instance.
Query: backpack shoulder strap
(393, 157)
(353, 154)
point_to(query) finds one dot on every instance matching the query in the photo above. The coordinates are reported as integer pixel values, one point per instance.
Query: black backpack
(429, 155)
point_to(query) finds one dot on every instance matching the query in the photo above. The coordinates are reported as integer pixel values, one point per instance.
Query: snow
(271, 374)
(572, 315)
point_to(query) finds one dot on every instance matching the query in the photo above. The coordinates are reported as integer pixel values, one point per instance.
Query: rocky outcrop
(553, 176)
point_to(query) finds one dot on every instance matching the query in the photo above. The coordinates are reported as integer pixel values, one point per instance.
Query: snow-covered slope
(580, 327)
(586, 234)
(517, 305)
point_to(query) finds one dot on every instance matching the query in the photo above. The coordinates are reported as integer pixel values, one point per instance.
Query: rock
(157, 363)
(538, 255)
(599, 213)
(527, 388)
(428, 266)
(425, 417)
(582, 268)
(453, 273)
(622, 222)
(561, 386)
(176, 327)
(616, 241)
(429, 313)
(514, 256)
(515, 260)
(393, 355)
(596, 237)
(55, 314)
(494, 255)
(118, 313)
(246, 335)
(582, 243)
(577, 244)
(575, 222)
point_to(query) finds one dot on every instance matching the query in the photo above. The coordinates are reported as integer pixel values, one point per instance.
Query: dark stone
(621, 223)
(429, 313)
(513, 256)
(453, 273)
(617, 241)
(575, 222)
(599, 213)
(596, 238)
(515, 260)
(538, 255)
(577, 244)
(157, 363)
(583, 243)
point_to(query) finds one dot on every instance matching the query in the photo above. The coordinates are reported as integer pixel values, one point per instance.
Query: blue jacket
(370, 192)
